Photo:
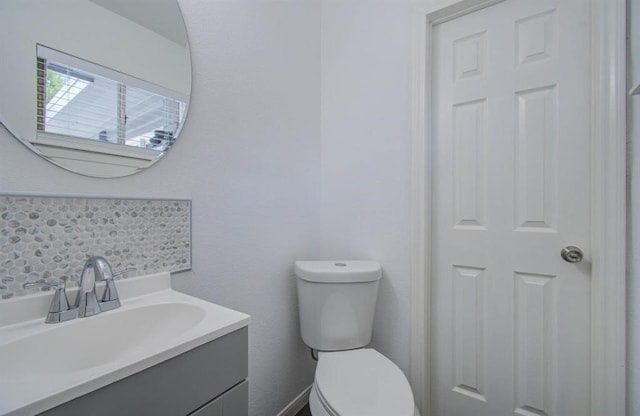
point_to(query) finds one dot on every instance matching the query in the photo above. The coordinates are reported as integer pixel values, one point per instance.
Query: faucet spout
(86, 299)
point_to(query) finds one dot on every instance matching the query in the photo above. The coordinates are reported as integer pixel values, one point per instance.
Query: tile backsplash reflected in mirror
(45, 238)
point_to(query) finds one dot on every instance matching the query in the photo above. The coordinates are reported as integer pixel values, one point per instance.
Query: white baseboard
(297, 404)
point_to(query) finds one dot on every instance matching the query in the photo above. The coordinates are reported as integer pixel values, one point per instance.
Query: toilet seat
(362, 382)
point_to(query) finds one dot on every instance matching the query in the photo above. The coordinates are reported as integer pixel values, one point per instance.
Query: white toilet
(337, 301)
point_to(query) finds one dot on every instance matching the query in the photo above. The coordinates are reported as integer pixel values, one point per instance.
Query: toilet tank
(337, 300)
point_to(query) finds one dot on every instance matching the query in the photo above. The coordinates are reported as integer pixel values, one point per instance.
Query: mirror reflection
(99, 87)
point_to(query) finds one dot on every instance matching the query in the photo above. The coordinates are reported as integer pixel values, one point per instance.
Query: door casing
(608, 142)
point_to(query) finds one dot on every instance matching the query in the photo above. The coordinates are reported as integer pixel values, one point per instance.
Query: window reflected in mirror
(91, 102)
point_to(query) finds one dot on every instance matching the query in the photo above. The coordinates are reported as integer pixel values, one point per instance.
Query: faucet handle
(59, 310)
(110, 299)
(124, 271)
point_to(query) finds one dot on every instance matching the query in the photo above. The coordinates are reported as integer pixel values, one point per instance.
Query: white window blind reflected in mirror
(80, 99)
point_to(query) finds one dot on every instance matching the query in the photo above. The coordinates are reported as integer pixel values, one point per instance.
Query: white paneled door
(511, 188)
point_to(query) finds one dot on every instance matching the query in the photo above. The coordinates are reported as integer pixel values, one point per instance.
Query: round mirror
(98, 87)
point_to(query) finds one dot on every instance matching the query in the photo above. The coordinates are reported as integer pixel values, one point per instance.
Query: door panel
(511, 188)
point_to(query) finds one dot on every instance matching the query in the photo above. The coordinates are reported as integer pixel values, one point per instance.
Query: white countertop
(25, 393)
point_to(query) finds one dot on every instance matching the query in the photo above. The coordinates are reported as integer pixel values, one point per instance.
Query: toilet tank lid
(339, 271)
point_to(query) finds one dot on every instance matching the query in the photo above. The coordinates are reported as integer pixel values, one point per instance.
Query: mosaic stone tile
(45, 239)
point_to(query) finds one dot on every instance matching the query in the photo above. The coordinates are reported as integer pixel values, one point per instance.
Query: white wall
(633, 7)
(633, 276)
(366, 149)
(633, 217)
(249, 158)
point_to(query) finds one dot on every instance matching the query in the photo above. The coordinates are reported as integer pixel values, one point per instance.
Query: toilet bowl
(336, 304)
(358, 383)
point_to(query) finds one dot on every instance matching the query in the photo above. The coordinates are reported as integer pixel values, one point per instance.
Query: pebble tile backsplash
(46, 238)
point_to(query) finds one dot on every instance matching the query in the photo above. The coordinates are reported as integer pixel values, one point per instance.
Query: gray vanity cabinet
(209, 380)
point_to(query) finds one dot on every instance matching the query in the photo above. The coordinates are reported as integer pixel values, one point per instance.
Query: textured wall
(366, 152)
(633, 276)
(255, 175)
(633, 217)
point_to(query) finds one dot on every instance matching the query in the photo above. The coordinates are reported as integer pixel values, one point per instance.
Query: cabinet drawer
(234, 402)
(213, 408)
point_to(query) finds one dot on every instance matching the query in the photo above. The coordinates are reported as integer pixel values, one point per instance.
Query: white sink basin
(96, 341)
(44, 365)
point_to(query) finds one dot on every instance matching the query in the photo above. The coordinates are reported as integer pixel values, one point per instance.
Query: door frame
(608, 218)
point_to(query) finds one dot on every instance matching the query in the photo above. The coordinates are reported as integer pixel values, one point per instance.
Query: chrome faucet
(97, 269)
